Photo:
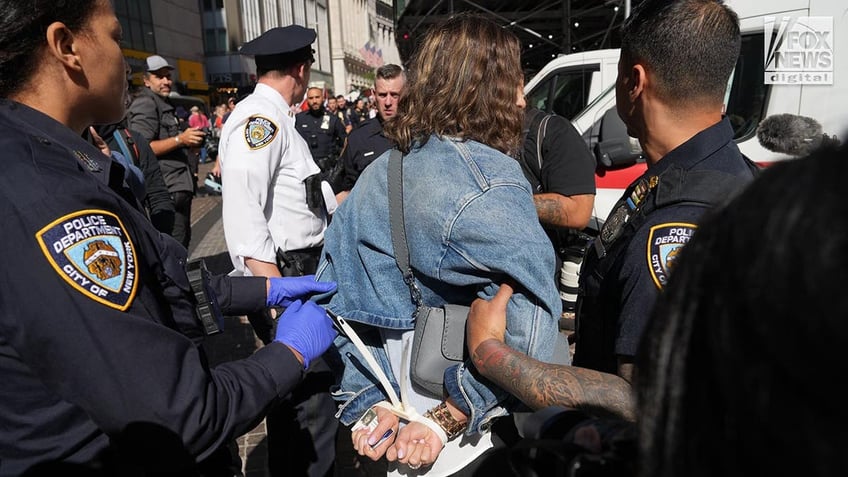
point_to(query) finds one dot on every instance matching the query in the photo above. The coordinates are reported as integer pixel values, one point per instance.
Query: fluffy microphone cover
(790, 134)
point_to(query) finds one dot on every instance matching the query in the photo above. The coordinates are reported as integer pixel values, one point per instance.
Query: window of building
(215, 40)
(137, 23)
(211, 5)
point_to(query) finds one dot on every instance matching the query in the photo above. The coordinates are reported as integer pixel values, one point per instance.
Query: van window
(748, 92)
(565, 92)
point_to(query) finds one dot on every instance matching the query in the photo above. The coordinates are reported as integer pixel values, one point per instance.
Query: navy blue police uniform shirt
(324, 133)
(364, 144)
(96, 313)
(626, 296)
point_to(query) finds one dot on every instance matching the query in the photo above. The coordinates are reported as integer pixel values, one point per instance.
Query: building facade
(228, 24)
(363, 39)
(201, 39)
(170, 28)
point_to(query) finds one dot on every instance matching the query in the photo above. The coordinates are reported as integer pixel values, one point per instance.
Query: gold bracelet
(441, 415)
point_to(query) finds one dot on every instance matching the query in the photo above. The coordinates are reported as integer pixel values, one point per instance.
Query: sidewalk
(238, 340)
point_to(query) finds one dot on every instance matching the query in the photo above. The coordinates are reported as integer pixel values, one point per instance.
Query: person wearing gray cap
(275, 211)
(152, 115)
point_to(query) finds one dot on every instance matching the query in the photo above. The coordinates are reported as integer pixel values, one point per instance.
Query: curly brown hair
(463, 82)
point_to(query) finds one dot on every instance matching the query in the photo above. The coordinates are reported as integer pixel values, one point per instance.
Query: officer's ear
(637, 82)
(303, 70)
(62, 45)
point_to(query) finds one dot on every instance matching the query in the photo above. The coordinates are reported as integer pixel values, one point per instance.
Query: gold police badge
(259, 132)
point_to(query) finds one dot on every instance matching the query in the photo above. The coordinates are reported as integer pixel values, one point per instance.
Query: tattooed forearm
(550, 210)
(573, 211)
(540, 385)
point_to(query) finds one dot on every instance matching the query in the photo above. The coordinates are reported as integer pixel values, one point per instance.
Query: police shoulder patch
(91, 250)
(259, 132)
(664, 244)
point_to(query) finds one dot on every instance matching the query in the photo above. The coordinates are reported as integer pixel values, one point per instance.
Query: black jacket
(364, 144)
(97, 315)
(157, 199)
(155, 119)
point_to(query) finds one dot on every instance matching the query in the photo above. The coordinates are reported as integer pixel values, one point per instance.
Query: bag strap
(122, 144)
(535, 126)
(396, 222)
(400, 407)
(540, 138)
(132, 142)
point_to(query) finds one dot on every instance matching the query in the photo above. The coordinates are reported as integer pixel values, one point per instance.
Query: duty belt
(296, 263)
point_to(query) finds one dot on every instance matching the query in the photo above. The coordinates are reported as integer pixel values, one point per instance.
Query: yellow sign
(136, 60)
(191, 73)
(188, 72)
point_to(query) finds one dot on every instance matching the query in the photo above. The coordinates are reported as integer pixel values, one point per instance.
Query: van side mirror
(615, 149)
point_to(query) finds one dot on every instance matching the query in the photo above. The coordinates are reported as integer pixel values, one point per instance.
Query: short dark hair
(389, 71)
(691, 46)
(22, 29)
(284, 61)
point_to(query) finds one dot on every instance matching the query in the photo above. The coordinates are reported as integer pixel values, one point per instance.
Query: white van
(749, 98)
(567, 84)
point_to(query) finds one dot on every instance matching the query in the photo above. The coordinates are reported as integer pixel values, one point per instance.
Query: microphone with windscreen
(792, 134)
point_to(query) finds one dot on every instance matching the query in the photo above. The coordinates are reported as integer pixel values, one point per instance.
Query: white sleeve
(246, 176)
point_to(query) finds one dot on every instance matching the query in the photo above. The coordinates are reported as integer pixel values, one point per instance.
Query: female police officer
(96, 309)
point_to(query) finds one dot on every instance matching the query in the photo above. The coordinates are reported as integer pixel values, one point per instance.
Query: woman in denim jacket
(470, 223)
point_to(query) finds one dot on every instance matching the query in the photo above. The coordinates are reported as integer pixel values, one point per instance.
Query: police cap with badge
(281, 47)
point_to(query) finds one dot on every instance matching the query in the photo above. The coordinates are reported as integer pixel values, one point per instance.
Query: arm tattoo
(540, 385)
(550, 211)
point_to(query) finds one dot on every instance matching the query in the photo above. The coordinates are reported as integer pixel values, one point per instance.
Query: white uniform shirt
(264, 162)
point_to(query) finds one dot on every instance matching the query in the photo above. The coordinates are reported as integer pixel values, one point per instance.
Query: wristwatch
(441, 415)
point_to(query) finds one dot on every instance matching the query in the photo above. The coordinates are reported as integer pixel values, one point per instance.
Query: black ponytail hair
(23, 24)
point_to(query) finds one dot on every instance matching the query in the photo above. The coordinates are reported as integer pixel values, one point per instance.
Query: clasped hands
(414, 445)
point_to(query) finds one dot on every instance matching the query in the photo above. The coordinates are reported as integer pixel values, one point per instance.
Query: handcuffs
(400, 407)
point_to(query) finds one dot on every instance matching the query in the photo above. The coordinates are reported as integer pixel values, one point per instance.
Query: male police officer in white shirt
(275, 210)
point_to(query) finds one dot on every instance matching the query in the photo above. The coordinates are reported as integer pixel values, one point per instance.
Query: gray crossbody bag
(439, 340)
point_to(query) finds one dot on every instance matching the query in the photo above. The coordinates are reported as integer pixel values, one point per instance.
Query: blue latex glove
(283, 291)
(306, 327)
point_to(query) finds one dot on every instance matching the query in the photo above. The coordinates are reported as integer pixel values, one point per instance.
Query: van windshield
(748, 92)
(565, 92)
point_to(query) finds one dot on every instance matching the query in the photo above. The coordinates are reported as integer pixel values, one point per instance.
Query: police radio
(207, 309)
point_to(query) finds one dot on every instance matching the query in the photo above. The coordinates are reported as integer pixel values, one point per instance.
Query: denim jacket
(470, 224)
